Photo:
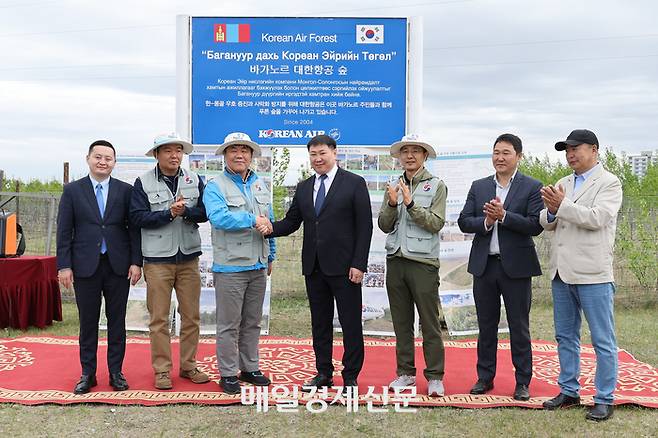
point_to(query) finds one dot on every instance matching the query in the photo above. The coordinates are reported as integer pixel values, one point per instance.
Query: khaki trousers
(408, 284)
(161, 278)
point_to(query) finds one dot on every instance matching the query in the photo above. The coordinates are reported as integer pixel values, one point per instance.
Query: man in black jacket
(502, 210)
(99, 249)
(334, 206)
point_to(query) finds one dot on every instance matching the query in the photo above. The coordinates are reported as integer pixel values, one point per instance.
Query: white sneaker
(435, 388)
(403, 382)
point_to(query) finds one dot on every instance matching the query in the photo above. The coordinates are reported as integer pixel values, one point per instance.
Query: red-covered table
(29, 292)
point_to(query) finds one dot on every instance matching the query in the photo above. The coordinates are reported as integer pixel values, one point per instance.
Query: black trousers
(321, 290)
(88, 293)
(517, 296)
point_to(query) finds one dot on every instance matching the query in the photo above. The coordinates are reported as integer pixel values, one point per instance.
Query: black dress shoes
(318, 381)
(350, 383)
(481, 386)
(85, 383)
(521, 393)
(599, 412)
(118, 381)
(561, 401)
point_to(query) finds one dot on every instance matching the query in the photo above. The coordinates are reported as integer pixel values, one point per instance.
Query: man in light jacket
(581, 211)
(237, 202)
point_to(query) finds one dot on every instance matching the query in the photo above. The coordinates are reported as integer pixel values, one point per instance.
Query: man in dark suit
(502, 211)
(99, 251)
(334, 206)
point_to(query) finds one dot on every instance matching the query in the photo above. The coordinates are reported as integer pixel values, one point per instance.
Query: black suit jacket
(340, 235)
(517, 249)
(80, 229)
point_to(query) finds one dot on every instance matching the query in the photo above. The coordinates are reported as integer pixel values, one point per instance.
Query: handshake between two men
(263, 225)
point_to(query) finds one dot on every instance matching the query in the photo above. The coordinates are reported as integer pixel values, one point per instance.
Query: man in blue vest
(237, 202)
(167, 205)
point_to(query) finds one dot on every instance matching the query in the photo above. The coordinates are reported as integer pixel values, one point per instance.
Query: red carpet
(36, 370)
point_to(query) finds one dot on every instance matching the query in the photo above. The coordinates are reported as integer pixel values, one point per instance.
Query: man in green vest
(413, 213)
(238, 203)
(167, 205)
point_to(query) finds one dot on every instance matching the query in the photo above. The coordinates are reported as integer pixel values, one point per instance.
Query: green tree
(280, 164)
(629, 181)
(32, 186)
(636, 242)
(545, 170)
(304, 172)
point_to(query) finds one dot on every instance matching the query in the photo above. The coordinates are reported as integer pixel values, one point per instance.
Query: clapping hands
(552, 197)
(178, 207)
(406, 192)
(494, 211)
(393, 190)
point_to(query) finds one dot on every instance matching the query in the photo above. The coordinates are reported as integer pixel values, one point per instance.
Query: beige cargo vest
(178, 234)
(244, 247)
(415, 241)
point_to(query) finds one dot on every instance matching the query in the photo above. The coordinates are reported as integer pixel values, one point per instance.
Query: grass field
(636, 330)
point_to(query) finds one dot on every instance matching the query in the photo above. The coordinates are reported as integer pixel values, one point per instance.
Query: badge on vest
(188, 180)
(427, 187)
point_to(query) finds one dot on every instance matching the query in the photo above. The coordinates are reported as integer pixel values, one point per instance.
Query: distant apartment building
(640, 162)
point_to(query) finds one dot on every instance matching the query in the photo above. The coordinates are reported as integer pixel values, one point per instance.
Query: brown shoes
(195, 376)
(163, 381)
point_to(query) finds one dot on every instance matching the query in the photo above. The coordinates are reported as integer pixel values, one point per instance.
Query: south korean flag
(370, 34)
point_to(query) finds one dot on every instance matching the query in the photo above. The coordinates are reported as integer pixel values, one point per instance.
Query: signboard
(285, 80)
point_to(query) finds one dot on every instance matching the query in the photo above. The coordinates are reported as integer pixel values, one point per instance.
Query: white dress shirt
(327, 182)
(501, 192)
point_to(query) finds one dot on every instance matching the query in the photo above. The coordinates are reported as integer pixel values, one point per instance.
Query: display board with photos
(137, 315)
(456, 167)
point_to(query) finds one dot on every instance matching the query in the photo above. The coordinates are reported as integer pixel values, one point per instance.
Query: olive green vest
(412, 240)
(244, 247)
(177, 234)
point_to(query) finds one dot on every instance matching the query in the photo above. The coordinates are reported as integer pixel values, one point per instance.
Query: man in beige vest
(413, 213)
(167, 205)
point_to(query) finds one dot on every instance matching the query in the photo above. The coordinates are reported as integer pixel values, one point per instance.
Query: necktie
(319, 199)
(101, 209)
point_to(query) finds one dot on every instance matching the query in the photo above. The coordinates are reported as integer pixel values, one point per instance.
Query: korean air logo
(288, 133)
(334, 133)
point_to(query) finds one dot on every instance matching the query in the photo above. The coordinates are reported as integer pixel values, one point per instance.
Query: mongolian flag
(232, 33)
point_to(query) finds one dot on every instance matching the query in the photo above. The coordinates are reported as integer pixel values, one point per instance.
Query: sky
(74, 71)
